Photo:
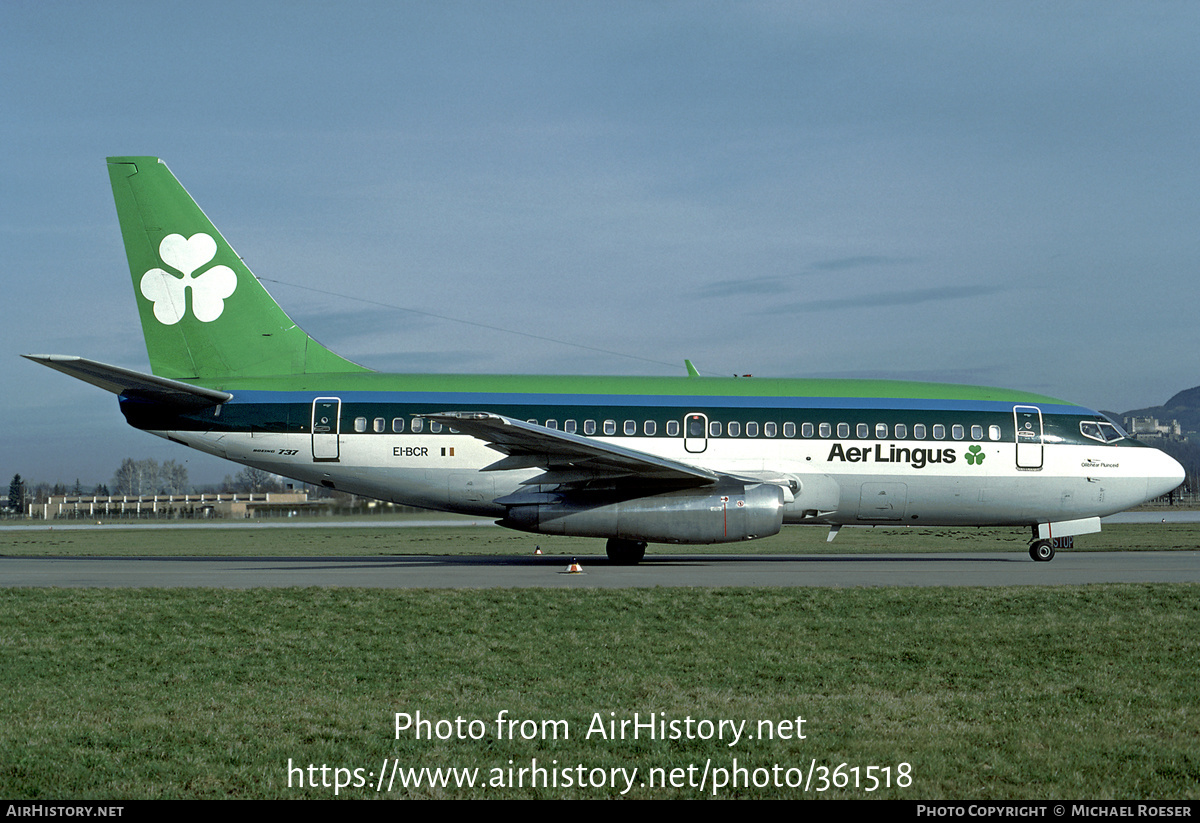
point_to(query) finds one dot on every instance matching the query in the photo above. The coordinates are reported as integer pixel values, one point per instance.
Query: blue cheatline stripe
(484, 401)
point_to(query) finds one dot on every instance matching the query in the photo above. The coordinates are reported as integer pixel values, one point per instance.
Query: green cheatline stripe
(632, 386)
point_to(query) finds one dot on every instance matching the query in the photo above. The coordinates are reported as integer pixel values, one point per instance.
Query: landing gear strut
(1042, 551)
(625, 552)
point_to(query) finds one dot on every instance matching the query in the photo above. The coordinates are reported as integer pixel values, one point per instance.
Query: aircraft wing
(132, 384)
(569, 458)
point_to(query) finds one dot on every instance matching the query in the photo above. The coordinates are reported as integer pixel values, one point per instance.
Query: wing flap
(569, 458)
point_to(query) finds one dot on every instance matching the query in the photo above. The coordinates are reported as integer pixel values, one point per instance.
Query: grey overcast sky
(999, 193)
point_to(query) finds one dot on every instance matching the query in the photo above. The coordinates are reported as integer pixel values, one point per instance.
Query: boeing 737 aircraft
(636, 460)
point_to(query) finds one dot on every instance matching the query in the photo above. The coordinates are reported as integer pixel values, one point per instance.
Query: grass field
(1058, 693)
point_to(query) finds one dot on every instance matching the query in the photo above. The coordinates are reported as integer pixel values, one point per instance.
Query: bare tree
(136, 477)
(256, 480)
(173, 478)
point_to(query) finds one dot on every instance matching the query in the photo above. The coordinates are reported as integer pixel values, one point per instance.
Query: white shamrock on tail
(209, 288)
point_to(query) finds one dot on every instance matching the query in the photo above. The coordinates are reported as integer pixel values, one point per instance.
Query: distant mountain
(1184, 407)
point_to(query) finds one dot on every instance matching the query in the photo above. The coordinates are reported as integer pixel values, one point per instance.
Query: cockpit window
(1102, 431)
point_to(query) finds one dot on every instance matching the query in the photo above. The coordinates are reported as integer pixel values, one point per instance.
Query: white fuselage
(837, 481)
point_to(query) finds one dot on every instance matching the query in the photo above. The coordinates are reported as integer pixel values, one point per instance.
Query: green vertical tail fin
(204, 314)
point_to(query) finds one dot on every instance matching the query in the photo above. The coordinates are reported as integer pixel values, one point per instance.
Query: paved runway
(958, 569)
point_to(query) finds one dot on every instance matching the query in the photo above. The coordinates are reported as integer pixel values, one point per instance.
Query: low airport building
(234, 505)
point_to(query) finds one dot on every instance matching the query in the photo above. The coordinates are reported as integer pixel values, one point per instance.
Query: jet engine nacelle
(724, 515)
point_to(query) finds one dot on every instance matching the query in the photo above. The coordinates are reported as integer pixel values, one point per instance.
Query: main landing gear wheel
(625, 552)
(1042, 551)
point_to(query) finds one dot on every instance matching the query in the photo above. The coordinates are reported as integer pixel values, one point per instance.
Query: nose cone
(1164, 476)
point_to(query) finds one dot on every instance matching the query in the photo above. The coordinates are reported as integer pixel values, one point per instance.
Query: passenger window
(360, 424)
(672, 428)
(630, 427)
(610, 426)
(956, 431)
(843, 430)
(919, 431)
(752, 430)
(769, 429)
(939, 432)
(435, 426)
(552, 424)
(735, 429)
(976, 432)
(806, 430)
(380, 424)
(901, 431)
(569, 426)
(789, 429)
(695, 426)
(881, 431)
(589, 427)
(397, 424)
(863, 431)
(825, 429)
(714, 429)
(649, 428)
(993, 432)
(418, 424)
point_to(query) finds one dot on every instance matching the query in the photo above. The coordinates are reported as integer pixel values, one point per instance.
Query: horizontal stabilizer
(129, 383)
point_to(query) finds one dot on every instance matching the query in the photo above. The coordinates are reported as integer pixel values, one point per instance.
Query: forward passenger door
(1028, 421)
